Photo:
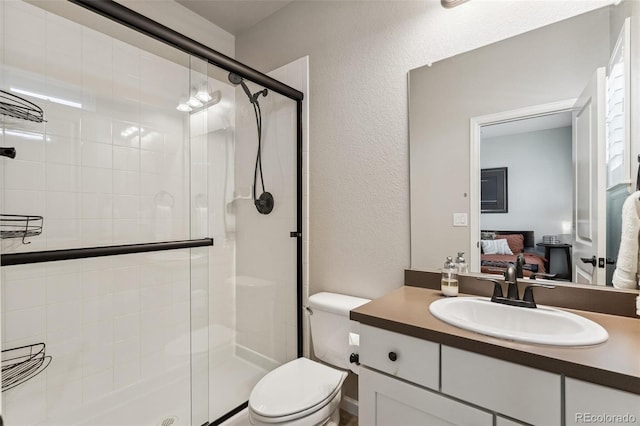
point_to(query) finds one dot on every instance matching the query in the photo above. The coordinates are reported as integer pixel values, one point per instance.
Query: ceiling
(544, 122)
(234, 16)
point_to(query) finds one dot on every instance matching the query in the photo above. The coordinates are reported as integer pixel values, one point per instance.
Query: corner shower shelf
(20, 226)
(23, 363)
(17, 107)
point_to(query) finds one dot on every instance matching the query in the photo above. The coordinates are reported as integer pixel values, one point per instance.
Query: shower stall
(150, 220)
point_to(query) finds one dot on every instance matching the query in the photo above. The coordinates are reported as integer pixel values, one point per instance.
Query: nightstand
(548, 248)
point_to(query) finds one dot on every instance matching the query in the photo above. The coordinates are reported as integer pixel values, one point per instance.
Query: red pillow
(514, 241)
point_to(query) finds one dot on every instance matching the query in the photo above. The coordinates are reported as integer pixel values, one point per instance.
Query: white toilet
(302, 391)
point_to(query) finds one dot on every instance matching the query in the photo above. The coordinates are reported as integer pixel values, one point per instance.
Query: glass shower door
(103, 296)
(253, 321)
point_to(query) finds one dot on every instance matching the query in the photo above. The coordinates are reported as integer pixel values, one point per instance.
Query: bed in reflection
(499, 249)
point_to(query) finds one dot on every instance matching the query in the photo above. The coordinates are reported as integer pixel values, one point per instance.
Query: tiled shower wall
(111, 165)
(266, 254)
(111, 168)
(109, 323)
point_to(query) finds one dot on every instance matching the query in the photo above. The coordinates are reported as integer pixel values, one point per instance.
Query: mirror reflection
(529, 140)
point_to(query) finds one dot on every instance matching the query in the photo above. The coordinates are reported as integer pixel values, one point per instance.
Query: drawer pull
(393, 356)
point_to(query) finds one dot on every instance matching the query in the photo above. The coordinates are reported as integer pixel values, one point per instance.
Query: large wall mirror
(553, 108)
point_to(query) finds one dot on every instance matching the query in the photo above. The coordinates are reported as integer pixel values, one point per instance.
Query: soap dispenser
(449, 280)
(463, 267)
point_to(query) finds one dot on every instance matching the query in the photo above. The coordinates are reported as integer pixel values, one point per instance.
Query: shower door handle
(295, 234)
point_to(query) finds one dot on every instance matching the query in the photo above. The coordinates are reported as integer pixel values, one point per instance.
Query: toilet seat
(295, 390)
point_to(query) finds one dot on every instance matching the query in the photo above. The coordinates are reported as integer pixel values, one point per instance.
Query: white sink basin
(542, 325)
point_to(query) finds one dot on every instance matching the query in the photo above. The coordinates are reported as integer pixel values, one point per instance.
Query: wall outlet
(459, 219)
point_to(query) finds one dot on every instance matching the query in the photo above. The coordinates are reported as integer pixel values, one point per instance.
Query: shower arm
(253, 98)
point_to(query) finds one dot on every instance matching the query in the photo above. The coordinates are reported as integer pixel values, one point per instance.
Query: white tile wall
(108, 323)
(103, 174)
(266, 255)
(94, 173)
(125, 140)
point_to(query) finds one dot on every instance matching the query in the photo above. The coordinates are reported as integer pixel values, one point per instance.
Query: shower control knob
(354, 359)
(393, 356)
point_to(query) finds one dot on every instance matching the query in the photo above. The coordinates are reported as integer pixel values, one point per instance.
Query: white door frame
(475, 124)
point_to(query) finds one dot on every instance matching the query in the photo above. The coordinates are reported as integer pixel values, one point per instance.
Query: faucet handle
(528, 293)
(497, 288)
(511, 278)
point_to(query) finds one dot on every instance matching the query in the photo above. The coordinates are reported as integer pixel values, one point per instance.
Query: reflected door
(589, 239)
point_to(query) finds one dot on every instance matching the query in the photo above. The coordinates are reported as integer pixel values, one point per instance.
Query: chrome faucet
(513, 297)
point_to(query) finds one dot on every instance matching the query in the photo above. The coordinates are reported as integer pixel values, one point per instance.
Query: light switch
(459, 219)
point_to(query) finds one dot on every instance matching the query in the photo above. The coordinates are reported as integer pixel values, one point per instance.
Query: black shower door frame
(138, 22)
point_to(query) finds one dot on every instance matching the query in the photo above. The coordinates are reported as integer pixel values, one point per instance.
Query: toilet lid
(294, 387)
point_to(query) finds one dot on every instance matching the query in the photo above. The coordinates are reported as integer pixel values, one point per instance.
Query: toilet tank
(330, 326)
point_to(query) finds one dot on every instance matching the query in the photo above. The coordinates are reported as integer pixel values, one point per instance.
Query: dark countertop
(614, 363)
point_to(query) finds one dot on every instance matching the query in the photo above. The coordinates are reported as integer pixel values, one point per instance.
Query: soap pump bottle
(449, 280)
(463, 267)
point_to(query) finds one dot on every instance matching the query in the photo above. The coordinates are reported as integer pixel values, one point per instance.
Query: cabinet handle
(393, 356)
(353, 359)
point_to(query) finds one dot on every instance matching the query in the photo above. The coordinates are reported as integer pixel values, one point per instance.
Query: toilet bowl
(304, 392)
(300, 392)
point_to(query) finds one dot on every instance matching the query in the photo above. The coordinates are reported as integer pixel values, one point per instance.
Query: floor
(347, 419)
(242, 419)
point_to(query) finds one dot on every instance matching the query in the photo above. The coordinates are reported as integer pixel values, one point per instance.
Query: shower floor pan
(137, 405)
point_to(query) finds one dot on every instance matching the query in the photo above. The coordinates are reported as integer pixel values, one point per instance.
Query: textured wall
(360, 53)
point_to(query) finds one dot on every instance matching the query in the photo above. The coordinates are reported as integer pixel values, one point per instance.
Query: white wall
(540, 184)
(165, 12)
(180, 19)
(359, 55)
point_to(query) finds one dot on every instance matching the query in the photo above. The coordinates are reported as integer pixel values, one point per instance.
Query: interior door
(589, 239)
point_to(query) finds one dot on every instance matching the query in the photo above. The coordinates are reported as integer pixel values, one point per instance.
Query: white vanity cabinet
(420, 375)
(389, 400)
(590, 403)
(451, 386)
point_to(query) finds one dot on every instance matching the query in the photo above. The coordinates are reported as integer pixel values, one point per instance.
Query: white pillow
(495, 247)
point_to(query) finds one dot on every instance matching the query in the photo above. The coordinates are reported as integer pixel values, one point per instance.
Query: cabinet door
(591, 403)
(385, 401)
(527, 394)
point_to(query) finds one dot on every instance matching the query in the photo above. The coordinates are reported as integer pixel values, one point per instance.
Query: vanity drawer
(407, 357)
(523, 393)
(585, 402)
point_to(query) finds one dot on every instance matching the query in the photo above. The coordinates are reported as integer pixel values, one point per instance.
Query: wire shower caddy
(23, 363)
(20, 226)
(14, 106)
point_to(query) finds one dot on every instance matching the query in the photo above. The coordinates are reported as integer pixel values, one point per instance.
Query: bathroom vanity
(418, 370)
